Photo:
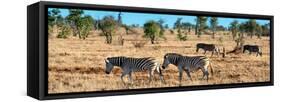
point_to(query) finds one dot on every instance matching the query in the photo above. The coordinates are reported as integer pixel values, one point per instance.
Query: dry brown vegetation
(77, 65)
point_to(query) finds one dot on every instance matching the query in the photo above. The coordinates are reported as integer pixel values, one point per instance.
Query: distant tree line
(81, 25)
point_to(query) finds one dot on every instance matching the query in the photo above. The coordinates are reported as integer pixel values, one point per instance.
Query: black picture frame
(37, 50)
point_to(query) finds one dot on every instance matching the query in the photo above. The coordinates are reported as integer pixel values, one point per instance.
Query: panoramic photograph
(96, 50)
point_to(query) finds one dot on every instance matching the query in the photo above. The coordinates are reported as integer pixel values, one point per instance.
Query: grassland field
(77, 65)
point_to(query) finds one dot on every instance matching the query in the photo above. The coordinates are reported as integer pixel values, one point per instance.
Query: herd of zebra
(187, 64)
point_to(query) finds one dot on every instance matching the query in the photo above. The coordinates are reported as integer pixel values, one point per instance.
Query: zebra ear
(106, 60)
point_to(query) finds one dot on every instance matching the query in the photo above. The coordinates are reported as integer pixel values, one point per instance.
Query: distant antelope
(208, 47)
(129, 65)
(252, 48)
(188, 64)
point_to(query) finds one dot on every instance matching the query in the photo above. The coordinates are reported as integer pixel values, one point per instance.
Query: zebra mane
(117, 61)
(175, 57)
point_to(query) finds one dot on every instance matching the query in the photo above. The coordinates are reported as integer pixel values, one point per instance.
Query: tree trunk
(79, 33)
(252, 33)
(223, 52)
(213, 34)
(199, 33)
(196, 27)
(152, 39)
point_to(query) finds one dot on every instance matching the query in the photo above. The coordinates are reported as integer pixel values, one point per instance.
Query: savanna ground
(77, 65)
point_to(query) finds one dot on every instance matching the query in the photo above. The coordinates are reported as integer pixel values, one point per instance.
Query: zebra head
(170, 58)
(108, 66)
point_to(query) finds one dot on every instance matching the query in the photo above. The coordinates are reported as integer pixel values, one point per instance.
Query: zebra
(188, 64)
(129, 65)
(208, 47)
(252, 48)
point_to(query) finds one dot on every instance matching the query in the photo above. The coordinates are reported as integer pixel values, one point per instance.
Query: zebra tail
(211, 67)
(158, 68)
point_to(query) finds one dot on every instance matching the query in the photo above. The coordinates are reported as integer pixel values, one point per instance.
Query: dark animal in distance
(208, 47)
(252, 48)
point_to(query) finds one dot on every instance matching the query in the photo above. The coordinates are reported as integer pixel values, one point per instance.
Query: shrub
(181, 37)
(152, 30)
(139, 43)
(65, 32)
(108, 26)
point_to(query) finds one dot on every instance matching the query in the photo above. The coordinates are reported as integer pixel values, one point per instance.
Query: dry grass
(78, 65)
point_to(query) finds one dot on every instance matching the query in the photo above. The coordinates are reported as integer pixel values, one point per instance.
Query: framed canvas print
(83, 50)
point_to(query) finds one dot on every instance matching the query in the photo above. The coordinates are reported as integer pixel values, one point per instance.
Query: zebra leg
(150, 75)
(205, 73)
(188, 74)
(123, 74)
(161, 76)
(159, 71)
(180, 75)
(130, 78)
(218, 52)
(212, 53)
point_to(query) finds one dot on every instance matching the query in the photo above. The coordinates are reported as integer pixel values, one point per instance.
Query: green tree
(161, 24)
(119, 18)
(214, 24)
(201, 24)
(54, 19)
(239, 39)
(108, 26)
(127, 28)
(152, 30)
(265, 29)
(178, 25)
(234, 27)
(252, 27)
(85, 25)
(65, 31)
(73, 19)
(196, 25)
(187, 26)
(166, 26)
(259, 31)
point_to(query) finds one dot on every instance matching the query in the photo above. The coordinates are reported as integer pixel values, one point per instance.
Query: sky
(130, 18)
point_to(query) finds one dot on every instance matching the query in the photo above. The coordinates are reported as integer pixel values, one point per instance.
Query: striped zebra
(188, 64)
(129, 65)
(208, 47)
(252, 48)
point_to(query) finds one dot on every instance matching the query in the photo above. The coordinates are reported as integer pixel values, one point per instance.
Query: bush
(108, 26)
(139, 44)
(121, 40)
(181, 37)
(152, 31)
(171, 31)
(65, 32)
(85, 25)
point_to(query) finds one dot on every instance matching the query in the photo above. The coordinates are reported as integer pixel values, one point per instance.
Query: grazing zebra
(188, 64)
(252, 48)
(208, 47)
(129, 65)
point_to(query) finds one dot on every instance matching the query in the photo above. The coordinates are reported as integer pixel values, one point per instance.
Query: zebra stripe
(129, 65)
(188, 64)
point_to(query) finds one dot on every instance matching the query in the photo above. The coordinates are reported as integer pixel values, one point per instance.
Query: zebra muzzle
(106, 72)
